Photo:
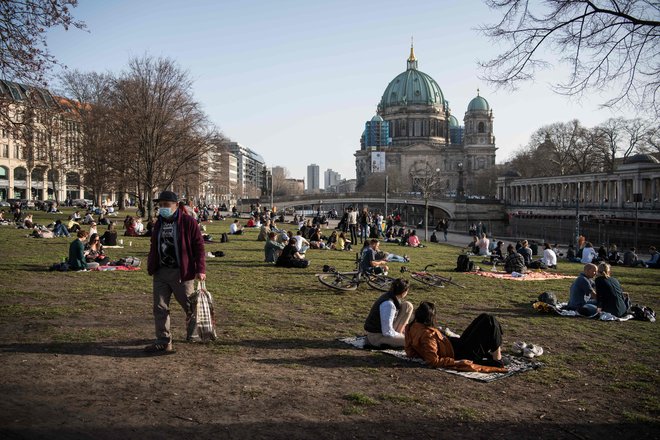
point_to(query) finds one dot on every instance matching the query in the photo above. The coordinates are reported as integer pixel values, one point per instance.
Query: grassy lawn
(277, 364)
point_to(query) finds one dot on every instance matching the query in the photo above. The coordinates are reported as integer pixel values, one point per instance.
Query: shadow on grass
(357, 360)
(121, 349)
(287, 344)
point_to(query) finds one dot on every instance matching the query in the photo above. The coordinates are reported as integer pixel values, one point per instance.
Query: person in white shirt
(92, 229)
(301, 244)
(235, 228)
(483, 245)
(389, 315)
(549, 256)
(588, 253)
(352, 224)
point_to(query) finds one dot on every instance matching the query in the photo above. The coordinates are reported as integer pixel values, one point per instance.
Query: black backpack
(463, 264)
(224, 238)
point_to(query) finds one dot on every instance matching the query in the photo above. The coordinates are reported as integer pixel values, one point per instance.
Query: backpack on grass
(463, 264)
(224, 238)
(129, 262)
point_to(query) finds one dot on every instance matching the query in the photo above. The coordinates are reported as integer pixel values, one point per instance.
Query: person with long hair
(479, 344)
(388, 316)
(610, 297)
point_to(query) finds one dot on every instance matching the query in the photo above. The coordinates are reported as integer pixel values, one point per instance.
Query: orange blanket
(530, 276)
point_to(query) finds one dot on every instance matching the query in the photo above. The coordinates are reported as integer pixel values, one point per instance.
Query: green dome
(377, 118)
(453, 122)
(478, 103)
(412, 87)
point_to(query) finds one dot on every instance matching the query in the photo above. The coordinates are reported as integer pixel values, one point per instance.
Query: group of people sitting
(393, 323)
(587, 254)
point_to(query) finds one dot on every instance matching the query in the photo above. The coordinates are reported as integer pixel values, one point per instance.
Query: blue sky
(296, 80)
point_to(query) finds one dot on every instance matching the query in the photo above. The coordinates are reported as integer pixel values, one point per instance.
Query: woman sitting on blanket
(610, 297)
(477, 349)
(387, 319)
(94, 251)
(109, 237)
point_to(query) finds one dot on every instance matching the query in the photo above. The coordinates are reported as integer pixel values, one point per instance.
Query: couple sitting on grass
(389, 325)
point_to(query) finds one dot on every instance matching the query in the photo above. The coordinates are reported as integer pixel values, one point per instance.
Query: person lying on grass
(388, 317)
(479, 345)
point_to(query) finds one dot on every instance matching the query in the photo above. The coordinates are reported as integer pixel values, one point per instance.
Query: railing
(417, 196)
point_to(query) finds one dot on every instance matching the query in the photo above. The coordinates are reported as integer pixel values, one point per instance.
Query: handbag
(203, 314)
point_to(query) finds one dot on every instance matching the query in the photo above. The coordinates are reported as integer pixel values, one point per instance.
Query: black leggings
(482, 336)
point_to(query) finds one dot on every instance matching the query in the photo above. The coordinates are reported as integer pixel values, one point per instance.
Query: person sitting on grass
(483, 245)
(28, 223)
(343, 243)
(479, 345)
(301, 243)
(413, 239)
(368, 262)
(92, 229)
(59, 230)
(589, 254)
(613, 257)
(387, 319)
(514, 262)
(77, 254)
(109, 237)
(630, 259)
(94, 251)
(251, 223)
(235, 228)
(497, 256)
(582, 297)
(290, 257)
(129, 225)
(272, 249)
(526, 252)
(89, 218)
(72, 225)
(654, 261)
(549, 256)
(264, 232)
(610, 297)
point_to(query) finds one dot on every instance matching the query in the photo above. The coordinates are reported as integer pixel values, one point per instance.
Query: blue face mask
(165, 212)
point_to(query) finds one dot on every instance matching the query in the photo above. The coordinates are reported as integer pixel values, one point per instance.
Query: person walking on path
(176, 259)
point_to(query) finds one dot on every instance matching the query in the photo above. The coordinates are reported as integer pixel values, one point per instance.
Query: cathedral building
(414, 133)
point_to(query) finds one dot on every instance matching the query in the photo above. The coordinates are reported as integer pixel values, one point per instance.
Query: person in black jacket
(610, 297)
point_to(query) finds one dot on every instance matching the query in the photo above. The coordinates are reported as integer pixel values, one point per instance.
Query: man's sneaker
(532, 351)
(159, 348)
(518, 347)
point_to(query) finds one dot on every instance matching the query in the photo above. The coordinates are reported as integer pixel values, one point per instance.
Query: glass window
(5, 150)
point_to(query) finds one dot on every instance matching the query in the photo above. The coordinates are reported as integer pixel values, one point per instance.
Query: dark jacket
(609, 296)
(77, 255)
(190, 247)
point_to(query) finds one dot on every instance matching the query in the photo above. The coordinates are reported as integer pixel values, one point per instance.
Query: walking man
(176, 259)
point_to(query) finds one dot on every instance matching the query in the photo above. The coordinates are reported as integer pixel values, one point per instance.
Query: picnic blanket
(516, 364)
(529, 276)
(111, 268)
(560, 311)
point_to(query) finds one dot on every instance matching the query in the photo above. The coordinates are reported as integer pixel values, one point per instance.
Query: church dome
(453, 122)
(478, 103)
(412, 87)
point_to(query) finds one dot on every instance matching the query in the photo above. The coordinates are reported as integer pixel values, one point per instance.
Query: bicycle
(349, 281)
(430, 279)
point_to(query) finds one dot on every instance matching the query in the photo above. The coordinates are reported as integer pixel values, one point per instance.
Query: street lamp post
(577, 215)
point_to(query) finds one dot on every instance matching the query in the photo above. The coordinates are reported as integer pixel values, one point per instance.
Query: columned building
(638, 174)
(414, 131)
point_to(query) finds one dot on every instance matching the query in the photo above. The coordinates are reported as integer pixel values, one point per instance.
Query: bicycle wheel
(380, 282)
(338, 281)
(428, 279)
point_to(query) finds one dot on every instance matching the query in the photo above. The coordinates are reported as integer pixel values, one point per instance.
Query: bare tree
(610, 130)
(608, 45)
(428, 181)
(91, 93)
(24, 56)
(159, 124)
(635, 133)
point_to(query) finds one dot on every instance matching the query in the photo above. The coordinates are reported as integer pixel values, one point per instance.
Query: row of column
(597, 194)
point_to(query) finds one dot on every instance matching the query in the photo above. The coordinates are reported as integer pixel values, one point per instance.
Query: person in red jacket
(176, 259)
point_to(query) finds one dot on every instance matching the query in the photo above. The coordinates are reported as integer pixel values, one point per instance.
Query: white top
(549, 257)
(387, 315)
(483, 246)
(233, 228)
(588, 255)
(352, 218)
(299, 242)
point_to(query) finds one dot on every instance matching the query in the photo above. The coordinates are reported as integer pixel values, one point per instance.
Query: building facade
(38, 159)
(313, 178)
(250, 167)
(414, 131)
(330, 178)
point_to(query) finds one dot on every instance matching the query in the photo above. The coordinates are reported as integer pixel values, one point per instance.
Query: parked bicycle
(430, 279)
(348, 281)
